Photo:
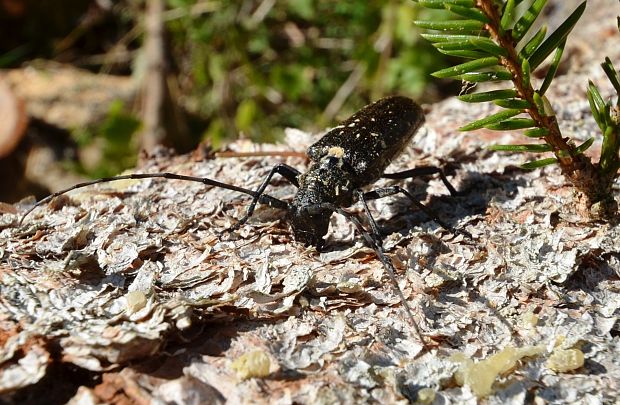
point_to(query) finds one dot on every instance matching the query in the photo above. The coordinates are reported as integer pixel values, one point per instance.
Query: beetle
(349, 157)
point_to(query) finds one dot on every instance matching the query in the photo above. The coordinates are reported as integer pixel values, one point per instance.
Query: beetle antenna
(387, 263)
(263, 198)
(389, 267)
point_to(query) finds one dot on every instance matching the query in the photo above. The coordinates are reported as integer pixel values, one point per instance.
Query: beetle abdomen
(371, 138)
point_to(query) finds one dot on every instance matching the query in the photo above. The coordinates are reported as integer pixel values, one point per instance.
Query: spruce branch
(565, 152)
(499, 38)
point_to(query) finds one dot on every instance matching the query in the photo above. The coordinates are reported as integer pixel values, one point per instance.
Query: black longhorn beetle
(350, 156)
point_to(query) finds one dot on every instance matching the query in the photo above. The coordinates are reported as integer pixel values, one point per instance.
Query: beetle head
(309, 225)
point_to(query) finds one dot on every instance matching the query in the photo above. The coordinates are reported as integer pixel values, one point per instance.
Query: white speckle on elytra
(351, 125)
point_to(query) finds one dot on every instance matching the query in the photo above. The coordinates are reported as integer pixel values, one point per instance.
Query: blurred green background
(240, 68)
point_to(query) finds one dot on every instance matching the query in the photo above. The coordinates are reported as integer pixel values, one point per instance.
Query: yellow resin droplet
(426, 395)
(136, 300)
(252, 364)
(480, 376)
(529, 320)
(563, 360)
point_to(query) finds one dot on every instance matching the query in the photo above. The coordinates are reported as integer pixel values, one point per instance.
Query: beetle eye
(330, 162)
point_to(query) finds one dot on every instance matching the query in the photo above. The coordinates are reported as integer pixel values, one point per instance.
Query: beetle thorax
(326, 182)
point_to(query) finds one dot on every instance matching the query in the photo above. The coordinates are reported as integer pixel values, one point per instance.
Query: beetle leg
(423, 171)
(388, 191)
(288, 172)
(371, 220)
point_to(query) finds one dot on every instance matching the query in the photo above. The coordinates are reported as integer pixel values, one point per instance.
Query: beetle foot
(464, 233)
